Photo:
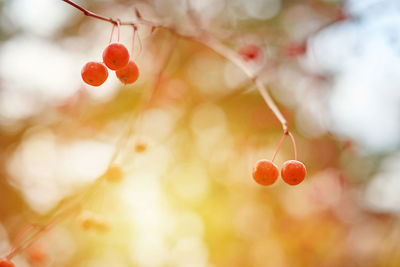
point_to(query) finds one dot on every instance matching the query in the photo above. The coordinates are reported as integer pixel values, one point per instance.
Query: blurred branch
(164, 60)
(207, 40)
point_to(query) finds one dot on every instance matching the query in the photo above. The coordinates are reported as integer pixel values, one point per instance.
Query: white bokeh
(363, 57)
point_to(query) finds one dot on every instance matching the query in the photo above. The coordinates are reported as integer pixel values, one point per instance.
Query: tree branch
(208, 41)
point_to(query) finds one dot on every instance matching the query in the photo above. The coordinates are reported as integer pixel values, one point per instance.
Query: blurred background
(187, 197)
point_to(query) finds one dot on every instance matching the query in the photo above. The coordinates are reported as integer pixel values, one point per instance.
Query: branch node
(138, 15)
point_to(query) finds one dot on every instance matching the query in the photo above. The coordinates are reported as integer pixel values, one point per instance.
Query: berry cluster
(293, 172)
(116, 57)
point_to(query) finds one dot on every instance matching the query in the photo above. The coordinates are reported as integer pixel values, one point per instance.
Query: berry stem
(140, 44)
(118, 25)
(133, 41)
(294, 145)
(20, 244)
(279, 146)
(112, 33)
(19, 237)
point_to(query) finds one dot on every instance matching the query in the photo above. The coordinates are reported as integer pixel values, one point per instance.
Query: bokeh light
(184, 138)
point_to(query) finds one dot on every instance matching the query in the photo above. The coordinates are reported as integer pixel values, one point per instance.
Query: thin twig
(232, 57)
(294, 145)
(164, 59)
(278, 147)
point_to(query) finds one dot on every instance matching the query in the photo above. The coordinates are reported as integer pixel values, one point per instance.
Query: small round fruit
(128, 74)
(94, 73)
(265, 172)
(140, 147)
(6, 263)
(36, 254)
(293, 172)
(116, 56)
(250, 52)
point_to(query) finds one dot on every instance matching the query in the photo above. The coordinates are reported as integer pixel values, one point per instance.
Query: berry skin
(94, 73)
(293, 172)
(128, 74)
(116, 56)
(6, 263)
(265, 172)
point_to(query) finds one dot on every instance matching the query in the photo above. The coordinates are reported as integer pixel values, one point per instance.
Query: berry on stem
(94, 73)
(265, 172)
(4, 262)
(293, 172)
(128, 74)
(116, 56)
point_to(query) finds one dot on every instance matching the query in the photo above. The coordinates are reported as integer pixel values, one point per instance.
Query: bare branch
(232, 57)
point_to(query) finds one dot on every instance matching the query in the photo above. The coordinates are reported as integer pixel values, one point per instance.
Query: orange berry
(94, 73)
(265, 172)
(36, 254)
(114, 174)
(128, 74)
(293, 172)
(116, 56)
(6, 263)
(140, 147)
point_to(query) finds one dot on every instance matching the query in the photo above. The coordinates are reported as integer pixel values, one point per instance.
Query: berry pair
(116, 57)
(293, 172)
(266, 172)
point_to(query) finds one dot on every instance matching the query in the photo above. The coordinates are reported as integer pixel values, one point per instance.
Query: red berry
(6, 263)
(116, 56)
(128, 74)
(250, 52)
(292, 50)
(265, 172)
(293, 172)
(94, 73)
